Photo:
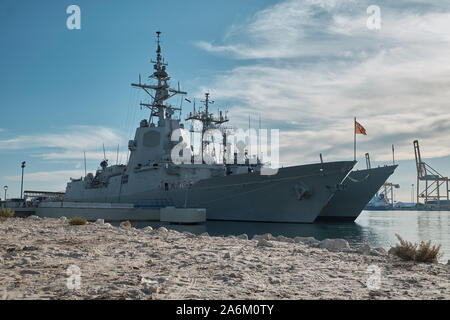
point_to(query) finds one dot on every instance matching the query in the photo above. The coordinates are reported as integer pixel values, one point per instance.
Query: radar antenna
(208, 120)
(163, 91)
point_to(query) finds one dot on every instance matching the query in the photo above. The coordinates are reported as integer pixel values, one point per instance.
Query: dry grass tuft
(428, 253)
(422, 252)
(6, 213)
(77, 221)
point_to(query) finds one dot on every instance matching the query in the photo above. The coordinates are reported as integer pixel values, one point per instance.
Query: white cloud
(314, 65)
(55, 180)
(48, 176)
(69, 144)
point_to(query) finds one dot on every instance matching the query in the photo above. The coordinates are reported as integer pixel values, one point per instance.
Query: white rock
(282, 238)
(62, 218)
(243, 236)
(364, 249)
(264, 243)
(156, 289)
(108, 225)
(151, 286)
(306, 240)
(204, 234)
(163, 229)
(188, 234)
(148, 229)
(378, 252)
(274, 280)
(34, 217)
(334, 244)
(100, 221)
(265, 236)
(314, 244)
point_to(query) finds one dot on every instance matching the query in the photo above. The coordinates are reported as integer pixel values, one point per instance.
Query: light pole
(6, 189)
(412, 193)
(21, 185)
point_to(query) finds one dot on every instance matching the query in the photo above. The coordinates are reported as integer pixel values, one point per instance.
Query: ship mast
(163, 91)
(207, 119)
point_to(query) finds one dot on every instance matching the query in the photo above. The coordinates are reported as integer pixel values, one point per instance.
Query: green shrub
(422, 252)
(7, 213)
(77, 221)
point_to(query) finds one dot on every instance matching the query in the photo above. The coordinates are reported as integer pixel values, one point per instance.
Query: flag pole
(393, 159)
(354, 139)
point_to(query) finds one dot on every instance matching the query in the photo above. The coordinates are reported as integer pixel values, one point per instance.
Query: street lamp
(6, 189)
(21, 185)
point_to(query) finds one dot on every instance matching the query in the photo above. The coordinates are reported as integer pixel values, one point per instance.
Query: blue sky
(307, 67)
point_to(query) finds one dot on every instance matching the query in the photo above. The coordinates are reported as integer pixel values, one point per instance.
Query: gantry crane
(435, 191)
(388, 189)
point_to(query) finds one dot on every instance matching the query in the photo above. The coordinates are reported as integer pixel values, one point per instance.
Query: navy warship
(358, 189)
(236, 191)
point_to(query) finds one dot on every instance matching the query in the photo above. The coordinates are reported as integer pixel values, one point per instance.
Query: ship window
(151, 139)
(166, 186)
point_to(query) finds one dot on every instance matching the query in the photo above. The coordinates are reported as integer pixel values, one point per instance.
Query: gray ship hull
(271, 198)
(360, 186)
(295, 194)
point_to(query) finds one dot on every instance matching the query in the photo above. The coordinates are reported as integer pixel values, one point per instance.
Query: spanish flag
(359, 129)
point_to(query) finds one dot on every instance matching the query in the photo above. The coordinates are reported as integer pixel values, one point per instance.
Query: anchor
(302, 191)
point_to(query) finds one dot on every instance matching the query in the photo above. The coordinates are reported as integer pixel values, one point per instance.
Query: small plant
(77, 221)
(428, 253)
(422, 252)
(6, 213)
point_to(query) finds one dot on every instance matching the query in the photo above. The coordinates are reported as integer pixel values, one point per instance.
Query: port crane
(431, 185)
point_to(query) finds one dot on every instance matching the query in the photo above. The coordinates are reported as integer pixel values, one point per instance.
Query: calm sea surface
(375, 228)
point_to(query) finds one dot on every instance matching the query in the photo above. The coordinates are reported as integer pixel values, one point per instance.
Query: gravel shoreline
(41, 258)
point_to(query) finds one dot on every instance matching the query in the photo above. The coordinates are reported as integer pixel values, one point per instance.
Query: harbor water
(375, 228)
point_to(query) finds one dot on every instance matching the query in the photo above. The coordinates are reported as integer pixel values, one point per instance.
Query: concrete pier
(182, 215)
(119, 212)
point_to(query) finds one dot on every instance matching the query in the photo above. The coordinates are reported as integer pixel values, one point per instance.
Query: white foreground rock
(334, 244)
(264, 243)
(364, 249)
(38, 258)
